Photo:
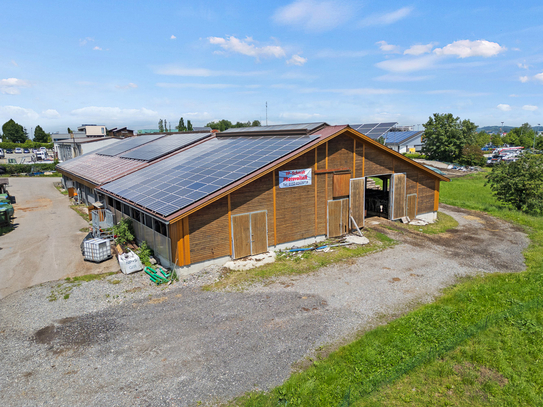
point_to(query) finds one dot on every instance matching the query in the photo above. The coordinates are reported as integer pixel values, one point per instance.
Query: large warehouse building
(248, 190)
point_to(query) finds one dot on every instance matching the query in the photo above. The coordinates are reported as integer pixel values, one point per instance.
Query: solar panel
(374, 130)
(127, 144)
(180, 180)
(397, 137)
(279, 127)
(163, 146)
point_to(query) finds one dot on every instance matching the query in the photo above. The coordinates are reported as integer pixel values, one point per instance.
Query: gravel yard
(121, 342)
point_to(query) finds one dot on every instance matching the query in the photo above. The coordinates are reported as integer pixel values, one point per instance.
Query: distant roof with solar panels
(373, 130)
(279, 129)
(114, 161)
(184, 178)
(400, 137)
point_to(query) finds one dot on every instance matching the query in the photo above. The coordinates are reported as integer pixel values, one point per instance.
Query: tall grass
(478, 344)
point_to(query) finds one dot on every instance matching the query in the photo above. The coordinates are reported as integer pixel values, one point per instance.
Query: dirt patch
(483, 373)
(38, 204)
(72, 333)
(157, 300)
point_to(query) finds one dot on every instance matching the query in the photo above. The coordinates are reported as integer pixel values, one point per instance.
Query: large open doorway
(385, 196)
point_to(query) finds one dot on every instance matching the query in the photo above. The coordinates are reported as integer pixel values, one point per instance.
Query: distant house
(69, 148)
(404, 141)
(194, 130)
(93, 130)
(122, 132)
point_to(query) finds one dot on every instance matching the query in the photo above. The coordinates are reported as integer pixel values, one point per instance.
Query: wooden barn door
(249, 234)
(398, 196)
(338, 217)
(357, 198)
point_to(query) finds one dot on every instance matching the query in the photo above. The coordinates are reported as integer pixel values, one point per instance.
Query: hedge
(27, 144)
(27, 168)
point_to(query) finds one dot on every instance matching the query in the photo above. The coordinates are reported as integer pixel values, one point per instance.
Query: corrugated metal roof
(298, 128)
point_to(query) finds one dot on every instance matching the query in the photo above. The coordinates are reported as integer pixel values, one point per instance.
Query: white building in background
(93, 130)
(74, 147)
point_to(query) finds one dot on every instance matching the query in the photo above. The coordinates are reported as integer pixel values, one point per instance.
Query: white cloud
(50, 114)
(467, 48)
(408, 64)
(98, 113)
(129, 86)
(522, 66)
(523, 79)
(530, 108)
(297, 60)
(97, 48)
(539, 77)
(503, 107)
(85, 41)
(387, 18)
(203, 72)
(12, 86)
(173, 37)
(18, 113)
(314, 15)
(247, 47)
(14, 63)
(388, 48)
(420, 49)
(196, 85)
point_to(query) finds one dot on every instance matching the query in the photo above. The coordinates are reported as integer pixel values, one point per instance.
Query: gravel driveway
(45, 243)
(122, 342)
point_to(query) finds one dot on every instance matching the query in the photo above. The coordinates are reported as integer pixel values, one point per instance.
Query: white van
(41, 155)
(2, 155)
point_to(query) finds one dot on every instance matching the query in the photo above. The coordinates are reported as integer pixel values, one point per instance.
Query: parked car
(18, 150)
(2, 153)
(43, 149)
(9, 151)
(26, 151)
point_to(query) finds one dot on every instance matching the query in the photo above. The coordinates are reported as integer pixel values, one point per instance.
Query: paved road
(45, 244)
(123, 342)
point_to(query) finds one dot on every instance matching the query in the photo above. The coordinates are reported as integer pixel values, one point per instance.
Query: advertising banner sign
(294, 178)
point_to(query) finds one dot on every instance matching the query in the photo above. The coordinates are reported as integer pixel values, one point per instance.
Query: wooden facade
(236, 224)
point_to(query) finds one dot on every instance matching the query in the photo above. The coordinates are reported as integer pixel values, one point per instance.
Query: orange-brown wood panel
(259, 238)
(208, 232)
(294, 209)
(241, 235)
(340, 152)
(410, 171)
(186, 241)
(412, 206)
(400, 199)
(376, 162)
(321, 203)
(341, 185)
(334, 218)
(358, 189)
(436, 196)
(426, 193)
(176, 239)
(345, 221)
(256, 196)
(321, 157)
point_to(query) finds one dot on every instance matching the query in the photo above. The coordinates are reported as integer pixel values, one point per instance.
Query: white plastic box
(97, 250)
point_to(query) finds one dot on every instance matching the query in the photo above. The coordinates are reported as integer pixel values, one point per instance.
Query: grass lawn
(480, 343)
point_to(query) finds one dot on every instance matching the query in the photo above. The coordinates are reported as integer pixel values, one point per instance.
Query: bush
(414, 155)
(26, 168)
(145, 252)
(472, 155)
(124, 231)
(26, 144)
(519, 183)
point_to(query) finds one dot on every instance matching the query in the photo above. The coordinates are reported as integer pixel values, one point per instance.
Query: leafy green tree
(165, 125)
(381, 140)
(69, 131)
(482, 139)
(445, 136)
(41, 136)
(496, 139)
(472, 155)
(14, 132)
(181, 126)
(520, 136)
(519, 183)
(255, 123)
(189, 126)
(161, 126)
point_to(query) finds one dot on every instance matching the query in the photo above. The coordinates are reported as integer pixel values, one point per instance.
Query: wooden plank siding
(295, 211)
(341, 185)
(299, 212)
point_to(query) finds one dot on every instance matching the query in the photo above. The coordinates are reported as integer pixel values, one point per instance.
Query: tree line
(13, 132)
(448, 138)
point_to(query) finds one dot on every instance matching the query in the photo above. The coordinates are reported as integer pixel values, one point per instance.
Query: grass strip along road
(478, 344)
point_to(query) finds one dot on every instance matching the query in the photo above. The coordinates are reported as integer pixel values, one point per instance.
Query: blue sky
(121, 63)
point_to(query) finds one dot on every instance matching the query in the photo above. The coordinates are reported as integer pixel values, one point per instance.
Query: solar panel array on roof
(127, 144)
(182, 179)
(305, 127)
(397, 137)
(163, 146)
(374, 130)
